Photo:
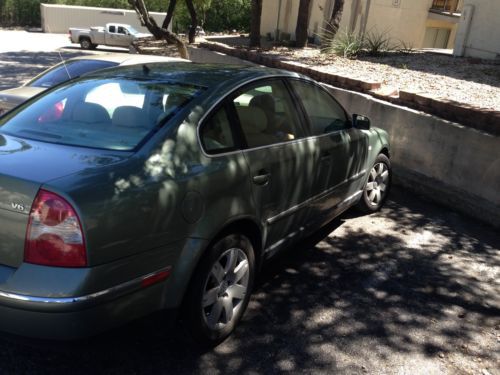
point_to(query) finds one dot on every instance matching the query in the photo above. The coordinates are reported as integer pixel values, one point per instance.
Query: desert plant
(377, 42)
(406, 47)
(346, 44)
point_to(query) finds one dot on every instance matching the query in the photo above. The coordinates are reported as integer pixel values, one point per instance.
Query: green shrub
(346, 44)
(377, 42)
(406, 47)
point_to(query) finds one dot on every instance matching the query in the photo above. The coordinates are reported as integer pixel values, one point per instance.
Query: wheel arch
(245, 225)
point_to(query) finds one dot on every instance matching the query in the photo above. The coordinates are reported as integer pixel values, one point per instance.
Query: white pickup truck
(114, 34)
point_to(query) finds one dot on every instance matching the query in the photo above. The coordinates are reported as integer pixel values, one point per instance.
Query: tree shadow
(413, 280)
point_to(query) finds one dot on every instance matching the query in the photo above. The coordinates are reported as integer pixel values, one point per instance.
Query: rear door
(341, 150)
(279, 156)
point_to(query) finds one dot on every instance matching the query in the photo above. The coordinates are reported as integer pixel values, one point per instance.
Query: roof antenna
(145, 69)
(60, 56)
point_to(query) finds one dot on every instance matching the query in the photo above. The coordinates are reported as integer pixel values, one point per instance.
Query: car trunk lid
(25, 166)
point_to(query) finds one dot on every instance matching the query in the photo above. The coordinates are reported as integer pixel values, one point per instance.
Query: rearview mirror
(361, 122)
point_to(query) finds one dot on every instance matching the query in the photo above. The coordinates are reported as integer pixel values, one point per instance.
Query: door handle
(262, 177)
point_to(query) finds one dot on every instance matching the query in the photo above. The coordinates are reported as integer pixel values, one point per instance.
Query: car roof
(127, 58)
(206, 75)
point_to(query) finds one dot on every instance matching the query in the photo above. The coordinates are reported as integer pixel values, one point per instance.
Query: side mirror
(361, 122)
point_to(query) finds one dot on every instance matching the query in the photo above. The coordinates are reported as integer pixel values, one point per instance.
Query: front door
(279, 157)
(340, 149)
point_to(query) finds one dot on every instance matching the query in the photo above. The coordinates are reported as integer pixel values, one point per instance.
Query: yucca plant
(377, 42)
(346, 44)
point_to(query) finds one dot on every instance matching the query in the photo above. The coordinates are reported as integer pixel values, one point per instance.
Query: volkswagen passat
(165, 186)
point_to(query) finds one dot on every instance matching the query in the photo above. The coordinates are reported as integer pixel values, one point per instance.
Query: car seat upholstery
(90, 113)
(129, 116)
(254, 124)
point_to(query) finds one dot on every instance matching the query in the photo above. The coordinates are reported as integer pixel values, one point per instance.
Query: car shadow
(353, 293)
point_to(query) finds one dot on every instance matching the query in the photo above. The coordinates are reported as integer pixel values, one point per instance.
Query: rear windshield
(70, 69)
(112, 114)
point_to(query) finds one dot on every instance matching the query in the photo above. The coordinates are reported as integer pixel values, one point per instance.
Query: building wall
(403, 20)
(59, 18)
(483, 37)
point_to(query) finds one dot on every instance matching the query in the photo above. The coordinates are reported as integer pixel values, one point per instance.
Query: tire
(377, 186)
(220, 290)
(85, 43)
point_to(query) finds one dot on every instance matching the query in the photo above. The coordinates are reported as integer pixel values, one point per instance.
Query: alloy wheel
(378, 182)
(225, 288)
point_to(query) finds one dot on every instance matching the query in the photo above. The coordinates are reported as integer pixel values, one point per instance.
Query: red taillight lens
(54, 236)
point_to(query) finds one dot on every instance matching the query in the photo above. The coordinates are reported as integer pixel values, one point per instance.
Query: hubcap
(225, 288)
(378, 181)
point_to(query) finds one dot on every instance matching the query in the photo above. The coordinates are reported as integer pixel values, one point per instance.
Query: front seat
(90, 113)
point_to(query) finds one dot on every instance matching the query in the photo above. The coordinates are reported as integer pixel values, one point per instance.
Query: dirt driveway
(413, 289)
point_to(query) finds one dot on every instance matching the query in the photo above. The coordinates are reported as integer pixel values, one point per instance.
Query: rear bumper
(79, 317)
(78, 324)
(38, 301)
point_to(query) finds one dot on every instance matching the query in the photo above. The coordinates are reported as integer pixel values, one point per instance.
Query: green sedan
(165, 187)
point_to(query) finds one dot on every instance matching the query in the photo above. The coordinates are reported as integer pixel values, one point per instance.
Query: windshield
(132, 30)
(73, 68)
(112, 114)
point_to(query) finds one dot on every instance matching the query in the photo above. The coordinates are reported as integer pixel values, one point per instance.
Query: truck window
(112, 29)
(121, 30)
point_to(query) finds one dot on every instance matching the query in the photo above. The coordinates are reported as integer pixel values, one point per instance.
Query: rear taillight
(54, 236)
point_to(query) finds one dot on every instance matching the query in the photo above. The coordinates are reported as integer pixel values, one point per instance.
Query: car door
(279, 157)
(341, 150)
(124, 37)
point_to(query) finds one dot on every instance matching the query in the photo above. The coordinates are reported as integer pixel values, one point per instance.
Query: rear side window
(324, 113)
(113, 114)
(68, 70)
(267, 114)
(216, 135)
(112, 29)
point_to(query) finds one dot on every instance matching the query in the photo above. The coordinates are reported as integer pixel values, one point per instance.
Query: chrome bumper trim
(27, 302)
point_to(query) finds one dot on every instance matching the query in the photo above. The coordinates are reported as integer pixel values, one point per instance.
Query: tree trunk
(158, 32)
(332, 26)
(194, 21)
(170, 13)
(255, 23)
(302, 24)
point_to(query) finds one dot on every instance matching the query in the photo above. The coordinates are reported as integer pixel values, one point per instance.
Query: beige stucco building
(419, 23)
(479, 30)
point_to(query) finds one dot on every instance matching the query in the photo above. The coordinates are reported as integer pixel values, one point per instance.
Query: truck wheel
(85, 43)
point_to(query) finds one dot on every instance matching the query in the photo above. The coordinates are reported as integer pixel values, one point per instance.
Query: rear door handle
(262, 177)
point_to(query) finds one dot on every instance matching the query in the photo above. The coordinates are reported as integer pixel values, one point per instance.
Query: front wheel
(377, 186)
(220, 290)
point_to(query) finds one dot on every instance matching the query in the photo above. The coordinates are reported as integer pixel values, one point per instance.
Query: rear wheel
(220, 290)
(378, 185)
(86, 43)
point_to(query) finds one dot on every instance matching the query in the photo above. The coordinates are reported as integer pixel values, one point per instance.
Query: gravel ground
(469, 81)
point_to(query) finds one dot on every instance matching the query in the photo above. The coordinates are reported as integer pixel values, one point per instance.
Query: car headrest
(253, 119)
(90, 113)
(129, 116)
(265, 102)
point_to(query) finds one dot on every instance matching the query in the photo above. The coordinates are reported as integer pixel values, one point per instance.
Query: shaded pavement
(413, 289)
